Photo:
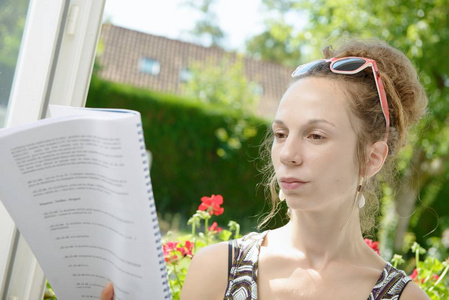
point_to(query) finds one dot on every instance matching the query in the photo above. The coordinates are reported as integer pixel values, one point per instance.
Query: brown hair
(406, 102)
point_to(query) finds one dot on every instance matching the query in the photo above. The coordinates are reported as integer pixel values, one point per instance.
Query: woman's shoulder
(207, 274)
(251, 238)
(207, 277)
(413, 292)
(395, 283)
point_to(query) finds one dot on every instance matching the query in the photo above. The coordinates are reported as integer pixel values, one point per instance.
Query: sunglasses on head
(352, 65)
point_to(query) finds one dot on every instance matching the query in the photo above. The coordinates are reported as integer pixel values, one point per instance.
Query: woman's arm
(207, 277)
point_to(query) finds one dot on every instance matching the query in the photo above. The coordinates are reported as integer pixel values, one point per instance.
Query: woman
(337, 127)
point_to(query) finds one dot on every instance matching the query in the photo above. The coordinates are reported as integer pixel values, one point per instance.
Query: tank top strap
(390, 284)
(242, 280)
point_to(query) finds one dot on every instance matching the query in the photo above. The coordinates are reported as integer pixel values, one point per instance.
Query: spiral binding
(157, 233)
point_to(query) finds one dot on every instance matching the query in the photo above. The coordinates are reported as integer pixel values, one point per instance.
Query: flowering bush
(429, 275)
(178, 254)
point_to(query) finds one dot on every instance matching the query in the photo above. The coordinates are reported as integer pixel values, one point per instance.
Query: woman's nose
(291, 152)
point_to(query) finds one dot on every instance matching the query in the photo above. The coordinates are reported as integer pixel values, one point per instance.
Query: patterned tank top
(242, 280)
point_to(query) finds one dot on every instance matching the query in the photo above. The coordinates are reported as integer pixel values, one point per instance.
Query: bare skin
(320, 253)
(107, 293)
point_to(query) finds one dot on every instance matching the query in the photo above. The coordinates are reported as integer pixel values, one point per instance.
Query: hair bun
(406, 96)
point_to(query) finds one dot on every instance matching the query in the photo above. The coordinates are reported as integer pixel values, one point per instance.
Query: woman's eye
(315, 136)
(280, 135)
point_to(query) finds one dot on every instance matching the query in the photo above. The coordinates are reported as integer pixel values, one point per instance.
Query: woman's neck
(323, 237)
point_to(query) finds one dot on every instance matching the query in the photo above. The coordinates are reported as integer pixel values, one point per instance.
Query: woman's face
(313, 152)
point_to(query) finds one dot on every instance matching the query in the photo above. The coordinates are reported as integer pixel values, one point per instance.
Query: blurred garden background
(204, 137)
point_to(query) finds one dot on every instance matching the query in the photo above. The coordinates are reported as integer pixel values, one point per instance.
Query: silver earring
(362, 201)
(281, 195)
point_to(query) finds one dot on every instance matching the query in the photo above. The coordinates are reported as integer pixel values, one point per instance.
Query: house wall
(124, 48)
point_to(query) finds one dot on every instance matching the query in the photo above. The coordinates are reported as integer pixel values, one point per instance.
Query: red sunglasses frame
(303, 69)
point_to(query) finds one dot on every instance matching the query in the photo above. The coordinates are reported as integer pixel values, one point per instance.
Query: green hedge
(180, 133)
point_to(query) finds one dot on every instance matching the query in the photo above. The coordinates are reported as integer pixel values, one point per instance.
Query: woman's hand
(107, 293)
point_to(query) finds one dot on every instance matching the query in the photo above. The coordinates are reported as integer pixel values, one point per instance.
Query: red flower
(187, 249)
(212, 204)
(214, 228)
(414, 275)
(173, 249)
(373, 245)
(169, 249)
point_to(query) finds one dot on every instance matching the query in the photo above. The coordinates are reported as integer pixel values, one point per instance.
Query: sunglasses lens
(306, 68)
(348, 64)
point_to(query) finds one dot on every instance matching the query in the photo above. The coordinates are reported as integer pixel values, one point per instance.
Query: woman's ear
(377, 154)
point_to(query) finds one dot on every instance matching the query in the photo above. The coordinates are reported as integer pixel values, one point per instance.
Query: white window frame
(54, 66)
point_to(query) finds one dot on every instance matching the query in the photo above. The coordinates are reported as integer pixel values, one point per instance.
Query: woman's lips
(291, 183)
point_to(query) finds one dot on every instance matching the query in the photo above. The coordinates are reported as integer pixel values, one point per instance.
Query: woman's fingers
(107, 293)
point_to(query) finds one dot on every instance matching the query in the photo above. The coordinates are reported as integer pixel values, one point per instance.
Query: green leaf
(225, 235)
(417, 248)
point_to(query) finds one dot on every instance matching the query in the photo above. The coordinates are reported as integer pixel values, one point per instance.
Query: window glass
(185, 75)
(12, 21)
(149, 66)
(258, 89)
